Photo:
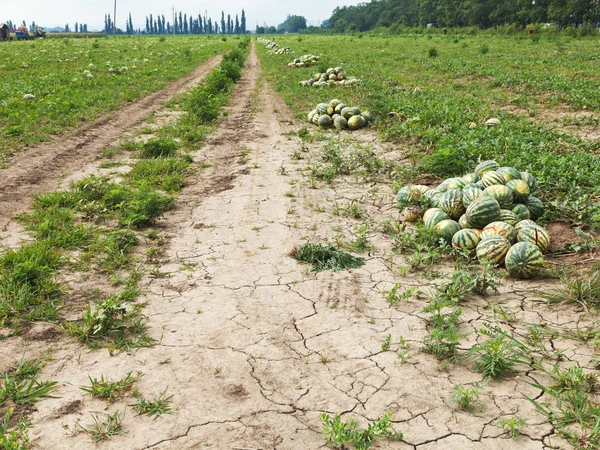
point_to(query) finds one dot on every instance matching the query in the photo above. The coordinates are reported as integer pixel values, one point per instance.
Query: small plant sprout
(105, 426)
(339, 433)
(512, 425)
(466, 398)
(386, 343)
(154, 408)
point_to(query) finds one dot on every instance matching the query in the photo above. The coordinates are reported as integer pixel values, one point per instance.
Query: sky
(59, 12)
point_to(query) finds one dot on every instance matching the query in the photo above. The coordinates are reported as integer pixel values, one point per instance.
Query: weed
(158, 148)
(512, 425)
(21, 385)
(154, 408)
(433, 52)
(583, 290)
(16, 438)
(105, 426)
(338, 433)
(326, 258)
(109, 390)
(394, 297)
(466, 398)
(386, 343)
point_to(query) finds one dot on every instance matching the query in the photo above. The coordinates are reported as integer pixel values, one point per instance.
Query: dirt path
(38, 169)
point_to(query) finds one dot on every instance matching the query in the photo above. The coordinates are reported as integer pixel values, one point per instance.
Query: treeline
(463, 13)
(79, 27)
(182, 24)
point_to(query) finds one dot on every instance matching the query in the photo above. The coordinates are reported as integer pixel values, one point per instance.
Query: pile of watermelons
(339, 115)
(334, 76)
(304, 61)
(274, 46)
(490, 213)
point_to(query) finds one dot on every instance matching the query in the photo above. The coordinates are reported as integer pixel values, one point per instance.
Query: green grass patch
(326, 258)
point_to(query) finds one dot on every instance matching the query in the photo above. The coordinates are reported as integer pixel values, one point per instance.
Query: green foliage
(109, 390)
(583, 290)
(21, 385)
(466, 398)
(338, 433)
(16, 438)
(432, 52)
(158, 148)
(105, 426)
(156, 407)
(512, 425)
(326, 258)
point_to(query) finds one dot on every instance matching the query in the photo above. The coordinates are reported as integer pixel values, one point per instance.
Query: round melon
(466, 239)
(446, 229)
(356, 122)
(490, 178)
(524, 260)
(322, 108)
(520, 190)
(508, 216)
(451, 203)
(334, 102)
(347, 112)
(340, 123)
(339, 107)
(315, 119)
(509, 173)
(500, 229)
(463, 222)
(486, 166)
(470, 178)
(530, 180)
(454, 183)
(356, 111)
(493, 249)
(311, 115)
(521, 211)
(470, 194)
(432, 196)
(501, 193)
(536, 207)
(330, 110)
(483, 211)
(535, 235)
(430, 212)
(434, 218)
(523, 223)
(412, 213)
(367, 116)
(407, 195)
(325, 121)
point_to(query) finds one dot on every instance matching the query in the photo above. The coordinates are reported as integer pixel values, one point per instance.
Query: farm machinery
(23, 34)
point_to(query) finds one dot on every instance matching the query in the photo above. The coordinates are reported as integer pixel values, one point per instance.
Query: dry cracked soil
(252, 346)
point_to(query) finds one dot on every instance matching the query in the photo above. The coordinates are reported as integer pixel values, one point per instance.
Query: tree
(223, 22)
(67, 29)
(293, 24)
(229, 27)
(185, 24)
(175, 26)
(260, 30)
(272, 30)
(236, 30)
(180, 22)
(243, 24)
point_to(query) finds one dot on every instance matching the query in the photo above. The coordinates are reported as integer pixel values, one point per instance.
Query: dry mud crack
(252, 347)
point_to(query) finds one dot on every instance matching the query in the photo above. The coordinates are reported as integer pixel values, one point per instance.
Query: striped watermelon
(501, 193)
(531, 182)
(315, 119)
(434, 217)
(455, 183)
(325, 121)
(524, 260)
(420, 188)
(521, 211)
(482, 211)
(520, 190)
(367, 116)
(356, 122)
(412, 213)
(500, 229)
(311, 115)
(433, 197)
(486, 166)
(443, 186)
(322, 108)
(535, 235)
(339, 107)
(407, 195)
(340, 123)
(471, 193)
(508, 216)
(334, 102)
(452, 203)
(429, 212)
(356, 111)
(446, 229)
(536, 207)
(470, 178)
(347, 112)
(509, 173)
(523, 223)
(492, 249)
(463, 222)
(466, 239)
(491, 178)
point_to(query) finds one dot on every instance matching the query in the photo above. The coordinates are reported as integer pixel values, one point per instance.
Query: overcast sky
(58, 12)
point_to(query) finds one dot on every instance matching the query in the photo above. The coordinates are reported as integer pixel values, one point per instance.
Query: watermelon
(330, 110)
(530, 180)
(463, 222)
(434, 218)
(536, 207)
(356, 122)
(446, 229)
(451, 203)
(492, 249)
(501, 193)
(508, 216)
(470, 193)
(523, 223)
(429, 212)
(521, 211)
(407, 195)
(500, 229)
(470, 178)
(334, 102)
(466, 239)
(356, 111)
(455, 183)
(524, 260)
(535, 235)
(486, 166)
(347, 112)
(482, 211)
(315, 119)
(339, 107)
(325, 121)
(322, 108)
(311, 115)
(367, 116)
(520, 190)
(491, 178)
(432, 196)
(412, 213)
(509, 173)
(340, 123)
(420, 188)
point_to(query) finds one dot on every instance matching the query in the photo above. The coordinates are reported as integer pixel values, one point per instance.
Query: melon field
(187, 261)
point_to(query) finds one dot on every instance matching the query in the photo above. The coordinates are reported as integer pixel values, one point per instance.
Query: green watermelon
(446, 229)
(523, 223)
(315, 119)
(434, 218)
(455, 183)
(451, 203)
(493, 249)
(356, 111)
(322, 108)
(535, 235)
(500, 229)
(501, 193)
(536, 207)
(339, 107)
(334, 102)
(521, 211)
(482, 211)
(490, 178)
(311, 115)
(325, 121)
(486, 166)
(470, 178)
(340, 123)
(463, 222)
(470, 193)
(356, 122)
(508, 216)
(432, 196)
(367, 116)
(524, 260)
(466, 239)
(531, 182)
(509, 173)
(520, 190)
(347, 112)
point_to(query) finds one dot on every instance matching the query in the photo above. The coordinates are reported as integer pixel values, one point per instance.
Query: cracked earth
(254, 347)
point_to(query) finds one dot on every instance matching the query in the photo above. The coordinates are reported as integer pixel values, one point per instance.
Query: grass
(105, 426)
(466, 398)
(15, 438)
(22, 385)
(109, 390)
(326, 257)
(154, 408)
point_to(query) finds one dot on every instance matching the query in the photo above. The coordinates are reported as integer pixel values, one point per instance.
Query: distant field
(76, 80)
(443, 88)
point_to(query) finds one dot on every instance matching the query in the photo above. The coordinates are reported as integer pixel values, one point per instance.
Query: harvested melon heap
(490, 213)
(334, 76)
(274, 46)
(339, 115)
(304, 61)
